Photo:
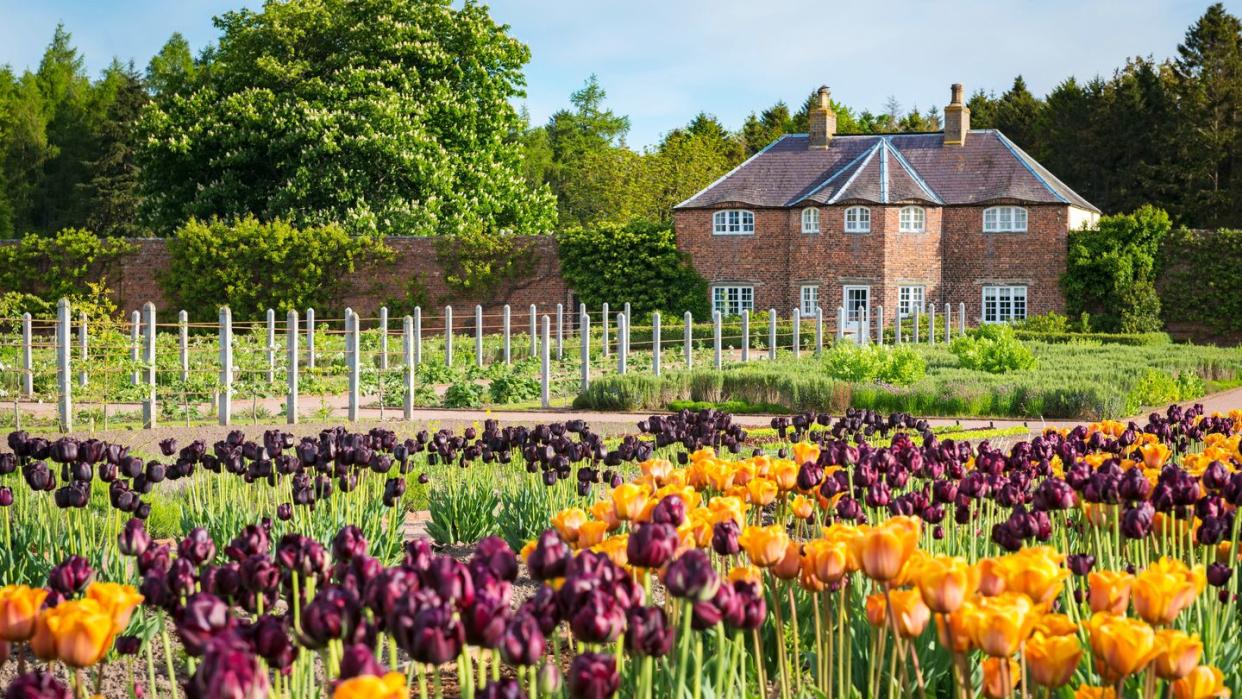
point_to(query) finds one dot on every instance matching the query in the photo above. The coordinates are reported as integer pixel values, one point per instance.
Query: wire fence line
(171, 370)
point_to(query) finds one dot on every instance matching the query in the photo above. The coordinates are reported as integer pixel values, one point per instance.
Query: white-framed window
(809, 299)
(909, 300)
(1004, 219)
(858, 219)
(857, 302)
(1002, 304)
(733, 222)
(732, 300)
(810, 220)
(913, 219)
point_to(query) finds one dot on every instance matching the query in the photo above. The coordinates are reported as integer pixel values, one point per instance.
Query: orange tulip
(629, 500)
(1204, 682)
(567, 521)
(945, 582)
(1052, 659)
(808, 581)
(748, 574)
(1000, 677)
(728, 507)
(910, 613)
(1154, 454)
(81, 630)
(785, 475)
(118, 600)
(802, 507)
(828, 560)
(1088, 692)
(991, 574)
(766, 546)
(605, 511)
(42, 643)
(1121, 646)
(885, 548)
(952, 629)
(1036, 573)
(761, 491)
(390, 686)
(1179, 654)
(998, 625)
(1165, 588)
(657, 469)
(791, 564)
(804, 452)
(1109, 590)
(591, 533)
(877, 610)
(1055, 625)
(19, 607)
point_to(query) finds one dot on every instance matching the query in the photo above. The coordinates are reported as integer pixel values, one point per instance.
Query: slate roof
(887, 169)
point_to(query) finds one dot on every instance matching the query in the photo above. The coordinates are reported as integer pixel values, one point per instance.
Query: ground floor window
(1002, 304)
(732, 300)
(857, 302)
(909, 300)
(810, 299)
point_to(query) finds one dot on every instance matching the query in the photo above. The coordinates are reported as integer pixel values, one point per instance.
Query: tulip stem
(796, 665)
(760, 675)
(723, 649)
(683, 649)
(698, 665)
(168, 659)
(437, 681)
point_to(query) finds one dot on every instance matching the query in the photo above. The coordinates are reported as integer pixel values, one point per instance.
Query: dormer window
(733, 222)
(858, 219)
(810, 220)
(913, 219)
(1004, 219)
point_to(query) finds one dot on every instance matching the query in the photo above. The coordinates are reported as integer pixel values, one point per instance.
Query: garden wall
(134, 280)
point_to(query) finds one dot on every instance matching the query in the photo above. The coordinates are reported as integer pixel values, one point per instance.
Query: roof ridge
(914, 174)
(884, 171)
(725, 176)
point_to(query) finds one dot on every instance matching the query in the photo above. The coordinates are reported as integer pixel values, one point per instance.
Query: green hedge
(1200, 281)
(1131, 339)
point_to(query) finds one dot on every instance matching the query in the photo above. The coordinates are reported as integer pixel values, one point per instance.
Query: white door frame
(852, 316)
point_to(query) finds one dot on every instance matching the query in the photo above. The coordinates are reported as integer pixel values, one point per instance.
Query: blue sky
(662, 61)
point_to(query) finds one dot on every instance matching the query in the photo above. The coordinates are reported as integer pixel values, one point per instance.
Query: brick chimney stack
(956, 118)
(823, 121)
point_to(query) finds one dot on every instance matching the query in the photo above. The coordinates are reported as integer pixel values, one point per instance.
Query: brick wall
(134, 280)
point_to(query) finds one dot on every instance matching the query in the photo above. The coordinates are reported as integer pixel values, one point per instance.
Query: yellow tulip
(1204, 682)
(1088, 692)
(1052, 659)
(1036, 573)
(19, 607)
(761, 491)
(1109, 590)
(785, 475)
(657, 469)
(728, 508)
(910, 613)
(991, 574)
(884, 549)
(615, 547)
(953, 629)
(1121, 646)
(998, 625)
(390, 686)
(748, 574)
(81, 630)
(766, 546)
(945, 582)
(805, 452)
(629, 500)
(1000, 677)
(605, 511)
(1179, 654)
(702, 454)
(118, 600)
(1165, 588)
(591, 533)
(567, 521)
(802, 507)
(1055, 625)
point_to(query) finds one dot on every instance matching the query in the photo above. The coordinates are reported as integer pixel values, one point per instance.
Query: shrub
(1154, 387)
(994, 349)
(1111, 271)
(1132, 339)
(251, 266)
(37, 271)
(463, 394)
(895, 365)
(1050, 322)
(514, 388)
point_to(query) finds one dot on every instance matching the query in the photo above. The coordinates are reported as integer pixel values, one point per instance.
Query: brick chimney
(956, 118)
(823, 121)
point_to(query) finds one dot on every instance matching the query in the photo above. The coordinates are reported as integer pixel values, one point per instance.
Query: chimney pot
(823, 121)
(956, 118)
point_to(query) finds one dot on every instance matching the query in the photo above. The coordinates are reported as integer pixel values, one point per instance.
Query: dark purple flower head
(128, 645)
(1136, 522)
(725, 536)
(648, 632)
(203, 618)
(331, 615)
(692, 577)
(450, 579)
(252, 541)
(593, 676)
(197, 547)
(669, 510)
(1080, 563)
(133, 539)
(485, 620)
(522, 643)
(358, 660)
(259, 574)
(418, 554)
(434, 635)
(269, 636)
(651, 544)
(71, 576)
(1218, 574)
(549, 558)
(349, 542)
(229, 669)
(497, 557)
(599, 619)
(505, 688)
(37, 685)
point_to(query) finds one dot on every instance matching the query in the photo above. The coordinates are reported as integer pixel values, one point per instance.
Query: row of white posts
(142, 351)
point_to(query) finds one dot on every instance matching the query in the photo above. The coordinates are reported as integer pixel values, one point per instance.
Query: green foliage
(526, 513)
(1153, 388)
(1048, 323)
(514, 387)
(1112, 268)
(462, 512)
(37, 271)
(638, 263)
(1134, 339)
(463, 394)
(251, 266)
(383, 116)
(477, 264)
(893, 365)
(994, 349)
(1200, 283)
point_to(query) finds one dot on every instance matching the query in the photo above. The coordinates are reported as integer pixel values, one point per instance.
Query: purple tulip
(725, 537)
(692, 577)
(1136, 522)
(1218, 574)
(349, 542)
(485, 621)
(669, 510)
(600, 619)
(497, 557)
(358, 660)
(203, 618)
(133, 539)
(550, 557)
(506, 688)
(6, 496)
(269, 636)
(522, 642)
(434, 635)
(651, 545)
(593, 676)
(71, 576)
(259, 574)
(197, 547)
(648, 632)
(228, 669)
(37, 685)
(1080, 563)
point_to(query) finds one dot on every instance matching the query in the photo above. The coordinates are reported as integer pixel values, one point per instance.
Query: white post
(897, 327)
(383, 338)
(27, 357)
(819, 330)
(864, 326)
(225, 406)
(291, 368)
(716, 338)
(797, 332)
(534, 331)
(83, 347)
(545, 365)
(478, 335)
(655, 343)
(772, 334)
(688, 338)
(418, 336)
(948, 323)
(961, 318)
(148, 406)
(917, 313)
(448, 336)
(931, 323)
(352, 350)
(310, 338)
(560, 331)
(584, 322)
(407, 352)
(64, 349)
(622, 321)
(879, 325)
(745, 334)
(604, 342)
(271, 346)
(840, 323)
(505, 332)
(135, 328)
(183, 343)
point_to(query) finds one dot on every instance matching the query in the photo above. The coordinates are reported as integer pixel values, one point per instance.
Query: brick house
(899, 220)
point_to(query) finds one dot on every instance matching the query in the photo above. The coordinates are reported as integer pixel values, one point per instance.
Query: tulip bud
(549, 679)
(71, 576)
(725, 537)
(6, 496)
(504, 688)
(593, 675)
(1218, 574)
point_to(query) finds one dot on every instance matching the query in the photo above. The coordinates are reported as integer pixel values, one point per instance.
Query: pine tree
(1017, 112)
(112, 192)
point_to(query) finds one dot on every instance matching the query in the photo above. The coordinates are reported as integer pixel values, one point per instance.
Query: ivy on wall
(1201, 280)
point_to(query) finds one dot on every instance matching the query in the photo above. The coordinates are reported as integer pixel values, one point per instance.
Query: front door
(857, 309)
